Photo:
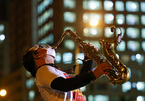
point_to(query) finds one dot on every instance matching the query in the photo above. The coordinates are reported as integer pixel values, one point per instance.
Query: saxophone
(119, 73)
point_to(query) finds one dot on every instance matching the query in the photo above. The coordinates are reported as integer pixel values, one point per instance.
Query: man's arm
(63, 84)
(78, 81)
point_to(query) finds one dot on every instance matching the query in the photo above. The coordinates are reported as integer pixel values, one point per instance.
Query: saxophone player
(55, 84)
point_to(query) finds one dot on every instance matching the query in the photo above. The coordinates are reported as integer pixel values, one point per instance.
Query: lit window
(80, 56)
(143, 33)
(133, 32)
(28, 74)
(2, 27)
(45, 29)
(70, 4)
(2, 37)
(121, 46)
(69, 44)
(143, 45)
(94, 22)
(58, 57)
(132, 6)
(142, 6)
(143, 19)
(133, 85)
(132, 19)
(48, 39)
(133, 45)
(109, 18)
(45, 16)
(101, 98)
(31, 95)
(139, 59)
(67, 58)
(120, 19)
(133, 58)
(90, 98)
(92, 32)
(126, 86)
(140, 98)
(119, 5)
(125, 58)
(140, 86)
(30, 83)
(108, 32)
(69, 17)
(92, 5)
(43, 5)
(92, 17)
(108, 5)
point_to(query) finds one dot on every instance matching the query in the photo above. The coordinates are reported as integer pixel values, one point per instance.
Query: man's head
(34, 54)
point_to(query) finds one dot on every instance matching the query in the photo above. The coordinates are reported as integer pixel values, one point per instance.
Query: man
(55, 84)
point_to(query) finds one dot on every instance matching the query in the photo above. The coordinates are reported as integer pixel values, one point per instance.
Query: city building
(44, 21)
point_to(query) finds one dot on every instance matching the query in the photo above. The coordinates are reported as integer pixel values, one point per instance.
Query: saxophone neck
(61, 39)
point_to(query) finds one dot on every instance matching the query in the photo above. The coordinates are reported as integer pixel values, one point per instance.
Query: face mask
(42, 49)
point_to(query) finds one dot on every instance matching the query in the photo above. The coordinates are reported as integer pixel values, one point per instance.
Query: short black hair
(29, 63)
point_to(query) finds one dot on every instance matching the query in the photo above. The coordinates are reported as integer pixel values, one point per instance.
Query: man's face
(41, 50)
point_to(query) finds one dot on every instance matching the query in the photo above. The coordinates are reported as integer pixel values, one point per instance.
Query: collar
(50, 64)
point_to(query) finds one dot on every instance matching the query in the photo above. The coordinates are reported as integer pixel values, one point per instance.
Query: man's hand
(102, 69)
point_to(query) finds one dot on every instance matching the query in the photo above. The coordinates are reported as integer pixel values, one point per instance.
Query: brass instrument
(119, 72)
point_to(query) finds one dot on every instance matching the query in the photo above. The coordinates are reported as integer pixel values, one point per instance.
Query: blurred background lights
(67, 58)
(133, 85)
(93, 22)
(120, 21)
(2, 37)
(58, 57)
(133, 57)
(3, 92)
(138, 56)
(109, 18)
(2, 27)
(31, 95)
(86, 30)
(80, 56)
(93, 32)
(133, 5)
(140, 98)
(90, 98)
(140, 86)
(101, 98)
(108, 32)
(108, 5)
(126, 86)
(93, 6)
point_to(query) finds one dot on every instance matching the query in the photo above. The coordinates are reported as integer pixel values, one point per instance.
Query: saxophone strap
(50, 64)
(53, 65)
